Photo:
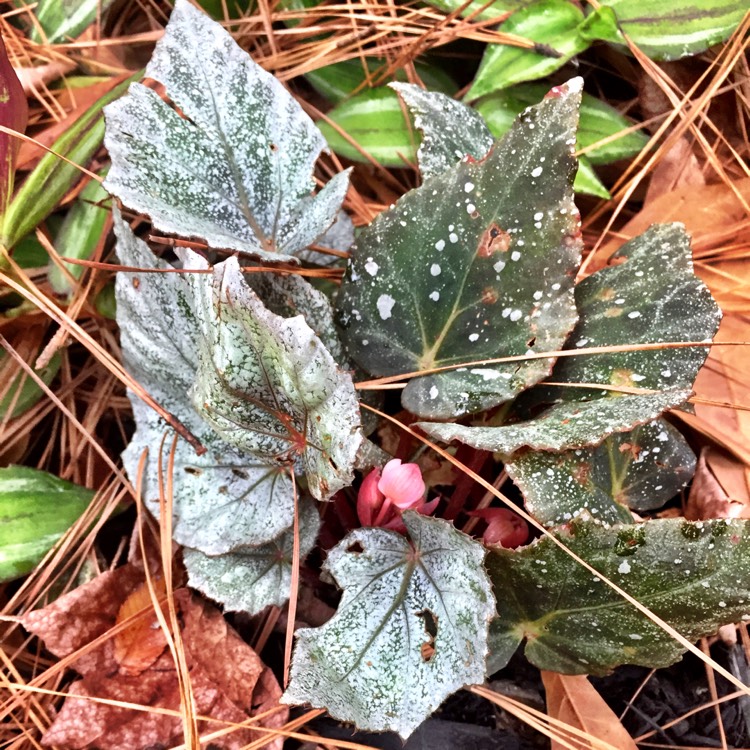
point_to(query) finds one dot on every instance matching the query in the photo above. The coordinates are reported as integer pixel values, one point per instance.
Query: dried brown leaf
(572, 699)
(720, 488)
(229, 682)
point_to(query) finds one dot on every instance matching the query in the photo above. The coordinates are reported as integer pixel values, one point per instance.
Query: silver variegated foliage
(225, 498)
(268, 385)
(252, 578)
(450, 129)
(236, 169)
(411, 627)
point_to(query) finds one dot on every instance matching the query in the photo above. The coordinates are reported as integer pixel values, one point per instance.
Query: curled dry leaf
(720, 487)
(573, 700)
(229, 681)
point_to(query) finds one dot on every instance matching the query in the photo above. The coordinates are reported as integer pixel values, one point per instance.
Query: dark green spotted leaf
(476, 263)
(252, 578)
(640, 469)
(224, 498)
(450, 130)
(268, 385)
(36, 509)
(236, 170)
(553, 24)
(411, 627)
(573, 424)
(671, 29)
(695, 576)
(649, 294)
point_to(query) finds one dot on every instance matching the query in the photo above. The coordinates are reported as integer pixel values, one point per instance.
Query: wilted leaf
(224, 498)
(268, 385)
(410, 628)
(574, 700)
(476, 263)
(251, 578)
(648, 295)
(640, 469)
(229, 682)
(720, 487)
(36, 509)
(553, 24)
(450, 130)
(695, 576)
(669, 30)
(236, 170)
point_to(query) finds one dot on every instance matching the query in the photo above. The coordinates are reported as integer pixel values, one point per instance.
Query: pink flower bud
(402, 484)
(370, 498)
(504, 527)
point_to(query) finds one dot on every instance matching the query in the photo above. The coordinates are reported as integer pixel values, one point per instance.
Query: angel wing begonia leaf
(450, 129)
(648, 295)
(236, 169)
(268, 385)
(410, 629)
(640, 469)
(252, 578)
(476, 263)
(695, 576)
(224, 498)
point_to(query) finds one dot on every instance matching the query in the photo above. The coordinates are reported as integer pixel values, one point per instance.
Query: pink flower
(383, 496)
(504, 527)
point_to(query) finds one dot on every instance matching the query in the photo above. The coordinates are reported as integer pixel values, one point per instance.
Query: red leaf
(14, 114)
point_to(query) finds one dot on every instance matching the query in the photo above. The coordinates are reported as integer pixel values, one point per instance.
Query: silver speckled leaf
(236, 170)
(411, 627)
(268, 385)
(252, 578)
(450, 129)
(695, 576)
(478, 262)
(224, 498)
(640, 469)
(649, 294)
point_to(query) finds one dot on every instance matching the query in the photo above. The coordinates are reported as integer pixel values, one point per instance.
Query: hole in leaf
(530, 343)
(427, 649)
(355, 548)
(192, 470)
(240, 473)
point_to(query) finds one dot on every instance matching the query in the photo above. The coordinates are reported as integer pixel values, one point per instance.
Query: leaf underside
(476, 263)
(410, 629)
(268, 385)
(695, 576)
(236, 168)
